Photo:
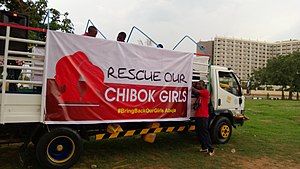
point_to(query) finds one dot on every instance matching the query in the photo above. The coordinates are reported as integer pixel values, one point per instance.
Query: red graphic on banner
(77, 78)
(78, 93)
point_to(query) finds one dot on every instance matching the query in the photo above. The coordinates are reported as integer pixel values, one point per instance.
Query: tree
(294, 63)
(283, 70)
(258, 78)
(147, 42)
(275, 73)
(37, 12)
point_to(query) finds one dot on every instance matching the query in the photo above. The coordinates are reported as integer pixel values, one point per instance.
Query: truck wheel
(221, 130)
(35, 138)
(60, 148)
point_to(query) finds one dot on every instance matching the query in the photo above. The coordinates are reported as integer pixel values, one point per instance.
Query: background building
(245, 56)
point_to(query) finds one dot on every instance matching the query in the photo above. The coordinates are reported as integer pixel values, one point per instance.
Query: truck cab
(227, 92)
(227, 102)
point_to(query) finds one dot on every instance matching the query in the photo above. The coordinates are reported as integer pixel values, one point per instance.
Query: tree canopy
(283, 70)
(37, 11)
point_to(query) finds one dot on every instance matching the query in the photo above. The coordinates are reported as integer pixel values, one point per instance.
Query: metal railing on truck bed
(21, 76)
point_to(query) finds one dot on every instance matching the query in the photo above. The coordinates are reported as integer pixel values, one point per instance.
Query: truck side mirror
(240, 100)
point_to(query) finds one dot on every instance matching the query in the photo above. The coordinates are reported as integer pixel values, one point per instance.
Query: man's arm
(203, 93)
(195, 91)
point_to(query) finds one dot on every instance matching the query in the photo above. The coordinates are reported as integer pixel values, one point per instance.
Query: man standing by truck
(202, 118)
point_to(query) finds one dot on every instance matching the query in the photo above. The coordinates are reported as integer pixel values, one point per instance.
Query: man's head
(200, 85)
(160, 46)
(92, 31)
(121, 37)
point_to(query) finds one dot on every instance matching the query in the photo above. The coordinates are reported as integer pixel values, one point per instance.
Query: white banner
(121, 80)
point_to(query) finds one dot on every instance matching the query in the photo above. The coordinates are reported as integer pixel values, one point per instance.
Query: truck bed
(20, 108)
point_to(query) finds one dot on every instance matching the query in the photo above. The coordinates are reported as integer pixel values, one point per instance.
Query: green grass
(270, 139)
(273, 131)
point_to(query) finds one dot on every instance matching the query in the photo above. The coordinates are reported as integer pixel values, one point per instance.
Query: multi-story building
(245, 56)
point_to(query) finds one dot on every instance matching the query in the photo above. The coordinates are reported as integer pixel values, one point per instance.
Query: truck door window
(229, 83)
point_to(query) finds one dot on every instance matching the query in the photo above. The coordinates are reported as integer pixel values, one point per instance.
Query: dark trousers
(13, 74)
(202, 131)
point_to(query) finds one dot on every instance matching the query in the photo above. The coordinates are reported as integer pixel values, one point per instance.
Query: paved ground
(263, 94)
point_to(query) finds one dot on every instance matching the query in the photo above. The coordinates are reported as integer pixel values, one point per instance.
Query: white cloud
(167, 21)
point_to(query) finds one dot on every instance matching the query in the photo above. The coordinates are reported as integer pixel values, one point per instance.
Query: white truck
(90, 88)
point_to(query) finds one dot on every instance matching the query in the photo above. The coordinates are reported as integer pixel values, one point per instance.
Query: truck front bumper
(239, 120)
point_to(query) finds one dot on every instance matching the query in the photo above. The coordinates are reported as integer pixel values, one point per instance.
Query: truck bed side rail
(30, 63)
(22, 70)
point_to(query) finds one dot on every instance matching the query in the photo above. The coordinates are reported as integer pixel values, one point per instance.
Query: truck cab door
(229, 92)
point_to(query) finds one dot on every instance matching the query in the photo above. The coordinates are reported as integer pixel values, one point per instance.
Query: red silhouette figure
(76, 91)
(78, 79)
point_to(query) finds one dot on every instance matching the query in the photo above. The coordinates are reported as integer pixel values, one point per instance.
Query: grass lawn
(270, 139)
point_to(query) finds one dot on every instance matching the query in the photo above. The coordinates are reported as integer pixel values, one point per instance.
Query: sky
(168, 21)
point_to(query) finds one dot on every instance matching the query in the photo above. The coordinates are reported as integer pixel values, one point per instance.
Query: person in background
(92, 31)
(160, 46)
(202, 118)
(121, 37)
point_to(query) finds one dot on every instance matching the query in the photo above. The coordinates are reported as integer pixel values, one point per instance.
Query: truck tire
(60, 148)
(36, 137)
(221, 130)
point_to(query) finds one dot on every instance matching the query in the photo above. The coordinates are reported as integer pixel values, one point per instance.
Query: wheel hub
(225, 131)
(59, 147)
